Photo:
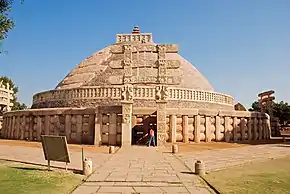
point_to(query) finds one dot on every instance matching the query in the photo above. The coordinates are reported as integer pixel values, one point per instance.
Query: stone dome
(101, 69)
(138, 67)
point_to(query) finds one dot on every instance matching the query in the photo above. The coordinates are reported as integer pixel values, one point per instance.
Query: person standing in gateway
(151, 137)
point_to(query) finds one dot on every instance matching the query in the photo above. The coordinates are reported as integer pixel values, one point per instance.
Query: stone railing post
(185, 128)
(217, 128)
(68, 127)
(38, 129)
(260, 127)
(161, 122)
(172, 120)
(197, 128)
(268, 126)
(243, 129)
(126, 124)
(255, 128)
(235, 133)
(227, 126)
(98, 128)
(113, 129)
(250, 136)
(207, 129)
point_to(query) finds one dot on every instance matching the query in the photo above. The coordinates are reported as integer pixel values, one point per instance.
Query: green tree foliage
(6, 23)
(255, 107)
(16, 104)
(280, 110)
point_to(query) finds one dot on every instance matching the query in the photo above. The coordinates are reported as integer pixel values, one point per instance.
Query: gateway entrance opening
(141, 127)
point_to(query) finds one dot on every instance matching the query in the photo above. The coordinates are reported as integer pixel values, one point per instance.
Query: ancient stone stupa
(134, 69)
(114, 96)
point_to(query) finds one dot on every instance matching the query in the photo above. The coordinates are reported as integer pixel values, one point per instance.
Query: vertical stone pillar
(217, 128)
(185, 128)
(207, 129)
(197, 129)
(46, 124)
(172, 120)
(113, 129)
(250, 136)
(268, 127)
(38, 129)
(227, 133)
(235, 125)
(255, 128)
(98, 128)
(67, 127)
(17, 132)
(22, 127)
(13, 127)
(31, 122)
(79, 132)
(243, 129)
(161, 122)
(126, 124)
(260, 127)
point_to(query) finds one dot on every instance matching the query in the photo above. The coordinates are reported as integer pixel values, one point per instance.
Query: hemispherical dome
(138, 70)
(100, 70)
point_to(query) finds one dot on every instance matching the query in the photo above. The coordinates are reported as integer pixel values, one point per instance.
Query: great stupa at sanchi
(116, 94)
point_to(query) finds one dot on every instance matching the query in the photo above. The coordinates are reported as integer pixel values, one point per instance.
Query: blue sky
(242, 47)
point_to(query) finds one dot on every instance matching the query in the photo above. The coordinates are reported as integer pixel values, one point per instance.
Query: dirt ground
(73, 147)
(190, 147)
(203, 146)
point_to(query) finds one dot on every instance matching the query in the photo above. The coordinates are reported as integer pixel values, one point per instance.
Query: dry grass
(270, 176)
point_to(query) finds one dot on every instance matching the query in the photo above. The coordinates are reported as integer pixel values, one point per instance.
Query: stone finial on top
(136, 36)
(136, 30)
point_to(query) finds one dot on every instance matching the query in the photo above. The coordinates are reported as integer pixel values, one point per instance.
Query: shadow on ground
(43, 169)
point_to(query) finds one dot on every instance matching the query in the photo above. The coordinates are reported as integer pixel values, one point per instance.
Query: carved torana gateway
(120, 91)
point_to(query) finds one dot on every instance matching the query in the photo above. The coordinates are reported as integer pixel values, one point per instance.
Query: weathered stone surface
(134, 60)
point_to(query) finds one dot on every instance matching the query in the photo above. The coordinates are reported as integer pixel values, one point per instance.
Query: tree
(280, 110)
(255, 107)
(16, 105)
(6, 23)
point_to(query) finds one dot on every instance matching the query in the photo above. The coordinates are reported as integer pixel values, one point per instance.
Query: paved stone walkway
(223, 158)
(142, 170)
(150, 170)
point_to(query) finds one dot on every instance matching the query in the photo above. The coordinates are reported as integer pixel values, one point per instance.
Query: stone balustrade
(79, 125)
(208, 125)
(112, 125)
(139, 92)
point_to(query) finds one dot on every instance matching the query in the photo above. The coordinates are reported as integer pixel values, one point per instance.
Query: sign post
(55, 149)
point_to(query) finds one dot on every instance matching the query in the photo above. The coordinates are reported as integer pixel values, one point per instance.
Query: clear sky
(242, 47)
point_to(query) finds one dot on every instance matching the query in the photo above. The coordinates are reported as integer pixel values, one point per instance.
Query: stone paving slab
(149, 170)
(142, 170)
(219, 159)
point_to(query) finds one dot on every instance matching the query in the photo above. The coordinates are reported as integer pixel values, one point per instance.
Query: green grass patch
(271, 176)
(28, 179)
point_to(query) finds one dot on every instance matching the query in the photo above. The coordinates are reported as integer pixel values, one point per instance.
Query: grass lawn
(28, 179)
(271, 176)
